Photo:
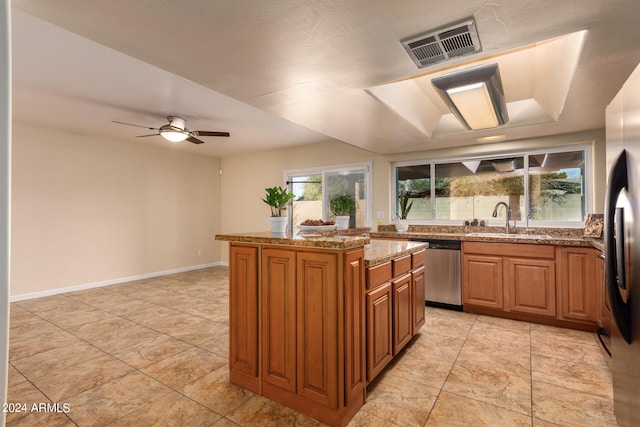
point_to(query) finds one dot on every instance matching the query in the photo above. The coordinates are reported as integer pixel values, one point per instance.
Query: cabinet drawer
(401, 265)
(511, 250)
(417, 259)
(378, 275)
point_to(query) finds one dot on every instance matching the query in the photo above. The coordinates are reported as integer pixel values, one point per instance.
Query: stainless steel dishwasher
(442, 273)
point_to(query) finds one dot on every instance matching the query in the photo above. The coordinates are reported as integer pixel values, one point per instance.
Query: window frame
(588, 184)
(323, 170)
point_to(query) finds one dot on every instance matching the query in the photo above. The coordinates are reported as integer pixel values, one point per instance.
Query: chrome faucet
(508, 215)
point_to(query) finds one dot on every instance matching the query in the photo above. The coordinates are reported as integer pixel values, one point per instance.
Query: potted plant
(342, 207)
(277, 199)
(405, 207)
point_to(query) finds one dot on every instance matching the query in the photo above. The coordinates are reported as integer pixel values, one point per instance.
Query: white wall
(87, 210)
(5, 200)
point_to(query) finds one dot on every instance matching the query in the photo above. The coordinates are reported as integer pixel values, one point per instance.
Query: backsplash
(465, 229)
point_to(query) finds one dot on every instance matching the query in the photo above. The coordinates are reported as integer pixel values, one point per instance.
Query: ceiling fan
(177, 131)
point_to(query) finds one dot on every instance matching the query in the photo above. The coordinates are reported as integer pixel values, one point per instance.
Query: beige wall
(87, 210)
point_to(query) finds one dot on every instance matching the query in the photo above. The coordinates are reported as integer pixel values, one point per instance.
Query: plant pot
(342, 222)
(278, 224)
(402, 225)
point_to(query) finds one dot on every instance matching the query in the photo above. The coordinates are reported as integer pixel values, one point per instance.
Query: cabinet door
(318, 327)
(402, 312)
(532, 286)
(279, 318)
(578, 283)
(355, 333)
(418, 290)
(482, 281)
(379, 330)
(243, 322)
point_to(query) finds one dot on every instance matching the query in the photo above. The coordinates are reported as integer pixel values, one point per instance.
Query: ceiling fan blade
(152, 134)
(131, 124)
(195, 140)
(209, 133)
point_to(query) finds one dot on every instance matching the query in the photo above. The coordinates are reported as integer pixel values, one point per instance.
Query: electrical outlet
(379, 215)
(199, 252)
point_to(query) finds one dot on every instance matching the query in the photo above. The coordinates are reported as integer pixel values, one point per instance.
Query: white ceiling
(280, 73)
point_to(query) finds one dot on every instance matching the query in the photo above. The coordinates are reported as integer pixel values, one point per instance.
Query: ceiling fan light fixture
(475, 97)
(174, 135)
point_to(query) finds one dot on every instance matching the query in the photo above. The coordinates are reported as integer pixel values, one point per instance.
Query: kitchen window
(315, 187)
(547, 187)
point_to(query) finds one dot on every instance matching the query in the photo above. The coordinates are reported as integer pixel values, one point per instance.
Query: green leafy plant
(277, 198)
(342, 205)
(404, 204)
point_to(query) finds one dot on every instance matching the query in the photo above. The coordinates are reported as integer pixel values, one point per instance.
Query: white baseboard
(83, 286)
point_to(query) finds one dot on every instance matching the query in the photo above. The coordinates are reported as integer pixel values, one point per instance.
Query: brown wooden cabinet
(533, 282)
(243, 322)
(578, 291)
(402, 312)
(278, 295)
(297, 327)
(379, 329)
(532, 286)
(418, 291)
(395, 308)
(482, 281)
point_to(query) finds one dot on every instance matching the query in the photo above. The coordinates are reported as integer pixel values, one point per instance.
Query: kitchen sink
(511, 235)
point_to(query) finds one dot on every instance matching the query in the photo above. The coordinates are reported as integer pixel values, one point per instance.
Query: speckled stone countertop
(315, 240)
(381, 251)
(553, 236)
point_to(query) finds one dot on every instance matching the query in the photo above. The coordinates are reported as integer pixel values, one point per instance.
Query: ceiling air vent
(437, 46)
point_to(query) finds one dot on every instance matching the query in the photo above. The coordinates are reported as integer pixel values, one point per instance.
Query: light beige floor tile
(456, 326)
(451, 411)
(219, 346)
(112, 341)
(571, 408)
(572, 375)
(70, 320)
(21, 346)
(115, 399)
(486, 355)
(153, 350)
(216, 392)
(543, 331)
(499, 322)
(55, 302)
(400, 401)
(56, 359)
(14, 376)
(497, 388)
(262, 412)
(204, 331)
(560, 348)
(173, 410)
(150, 315)
(130, 306)
(61, 384)
(487, 333)
(48, 419)
(364, 419)
(25, 395)
(184, 368)
(90, 331)
(31, 328)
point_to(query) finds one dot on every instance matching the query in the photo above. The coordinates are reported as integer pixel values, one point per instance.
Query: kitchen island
(298, 317)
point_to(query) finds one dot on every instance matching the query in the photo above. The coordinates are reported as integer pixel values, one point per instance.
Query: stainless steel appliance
(622, 247)
(442, 275)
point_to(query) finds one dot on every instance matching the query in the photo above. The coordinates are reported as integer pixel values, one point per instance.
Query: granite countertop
(541, 236)
(381, 251)
(316, 240)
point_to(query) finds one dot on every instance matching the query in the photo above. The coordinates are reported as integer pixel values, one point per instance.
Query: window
(542, 186)
(314, 188)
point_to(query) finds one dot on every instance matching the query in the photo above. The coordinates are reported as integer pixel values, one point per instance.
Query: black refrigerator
(622, 247)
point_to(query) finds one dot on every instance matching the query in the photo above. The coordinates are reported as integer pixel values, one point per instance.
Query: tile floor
(154, 352)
